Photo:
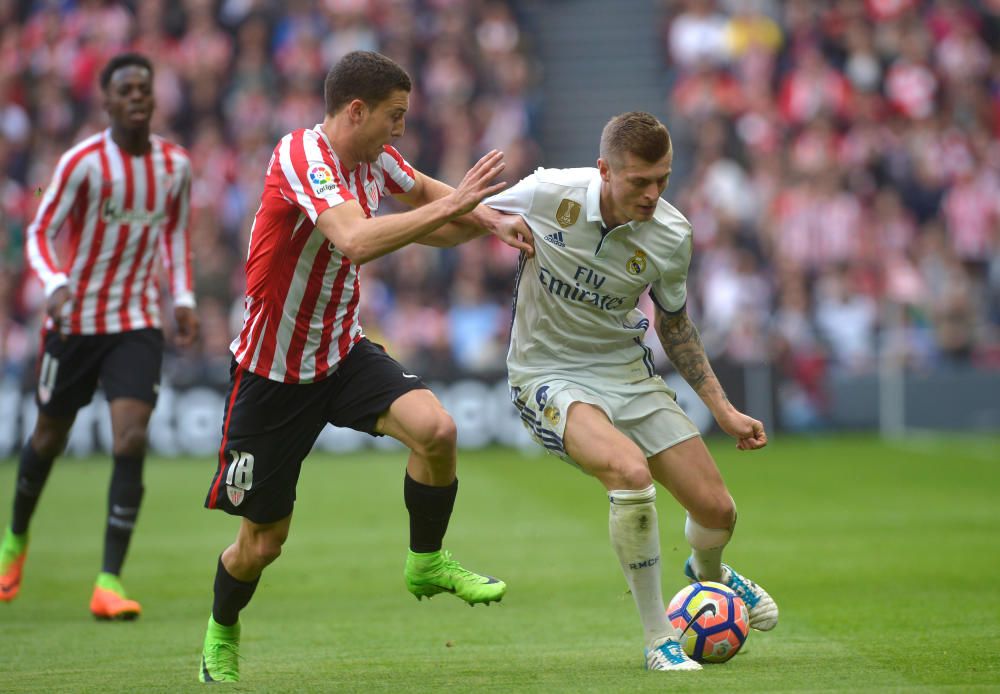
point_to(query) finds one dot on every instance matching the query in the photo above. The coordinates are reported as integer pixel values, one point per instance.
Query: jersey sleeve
(399, 175)
(517, 199)
(306, 178)
(68, 181)
(176, 239)
(669, 292)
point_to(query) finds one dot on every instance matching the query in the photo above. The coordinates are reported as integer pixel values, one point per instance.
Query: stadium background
(837, 159)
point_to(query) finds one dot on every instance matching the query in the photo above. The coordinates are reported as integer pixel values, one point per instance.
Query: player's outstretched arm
(683, 345)
(482, 220)
(363, 239)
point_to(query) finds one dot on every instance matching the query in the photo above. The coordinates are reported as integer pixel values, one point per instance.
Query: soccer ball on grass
(714, 621)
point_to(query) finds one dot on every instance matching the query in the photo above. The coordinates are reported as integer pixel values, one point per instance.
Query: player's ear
(356, 110)
(604, 170)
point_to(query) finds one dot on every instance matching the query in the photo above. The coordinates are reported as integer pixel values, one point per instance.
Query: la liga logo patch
(320, 175)
(321, 179)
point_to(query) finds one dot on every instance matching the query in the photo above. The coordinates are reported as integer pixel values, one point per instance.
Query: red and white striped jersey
(301, 306)
(122, 212)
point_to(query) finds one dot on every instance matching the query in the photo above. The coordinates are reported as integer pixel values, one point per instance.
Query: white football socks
(635, 537)
(706, 548)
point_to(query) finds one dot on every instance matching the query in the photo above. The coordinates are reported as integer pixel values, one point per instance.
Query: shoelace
(447, 563)
(669, 653)
(223, 659)
(674, 652)
(745, 588)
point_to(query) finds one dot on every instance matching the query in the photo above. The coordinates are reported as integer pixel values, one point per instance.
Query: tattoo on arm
(682, 343)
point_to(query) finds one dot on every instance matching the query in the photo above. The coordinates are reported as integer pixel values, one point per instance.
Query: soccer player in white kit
(584, 382)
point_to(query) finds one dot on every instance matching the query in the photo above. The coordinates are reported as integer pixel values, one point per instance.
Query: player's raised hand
(476, 184)
(509, 228)
(514, 231)
(748, 432)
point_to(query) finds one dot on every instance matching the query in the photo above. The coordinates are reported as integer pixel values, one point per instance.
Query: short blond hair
(635, 132)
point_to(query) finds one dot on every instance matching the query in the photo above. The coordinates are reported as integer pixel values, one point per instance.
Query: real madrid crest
(636, 265)
(568, 213)
(552, 414)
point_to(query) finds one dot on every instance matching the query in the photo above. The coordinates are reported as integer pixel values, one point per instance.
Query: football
(712, 619)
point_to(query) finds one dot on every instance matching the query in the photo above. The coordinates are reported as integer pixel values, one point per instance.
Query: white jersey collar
(319, 129)
(594, 199)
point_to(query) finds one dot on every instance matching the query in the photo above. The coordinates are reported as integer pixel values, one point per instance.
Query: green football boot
(220, 657)
(428, 574)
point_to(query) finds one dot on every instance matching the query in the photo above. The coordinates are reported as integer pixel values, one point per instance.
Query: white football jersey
(575, 301)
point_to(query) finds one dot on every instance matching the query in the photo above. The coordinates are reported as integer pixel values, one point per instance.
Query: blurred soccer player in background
(301, 360)
(125, 196)
(584, 382)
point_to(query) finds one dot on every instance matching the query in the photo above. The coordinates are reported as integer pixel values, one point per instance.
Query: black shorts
(127, 365)
(269, 427)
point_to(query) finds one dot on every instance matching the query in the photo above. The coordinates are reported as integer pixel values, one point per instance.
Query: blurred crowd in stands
(232, 77)
(843, 163)
(838, 159)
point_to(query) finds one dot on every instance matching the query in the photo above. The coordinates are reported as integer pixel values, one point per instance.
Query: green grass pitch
(883, 558)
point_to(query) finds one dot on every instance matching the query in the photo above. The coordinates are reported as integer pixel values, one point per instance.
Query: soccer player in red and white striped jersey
(301, 360)
(122, 196)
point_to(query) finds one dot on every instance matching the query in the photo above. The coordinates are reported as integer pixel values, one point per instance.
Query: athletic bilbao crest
(568, 213)
(371, 194)
(239, 476)
(235, 495)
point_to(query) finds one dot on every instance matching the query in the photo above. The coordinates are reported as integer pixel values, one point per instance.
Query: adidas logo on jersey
(556, 239)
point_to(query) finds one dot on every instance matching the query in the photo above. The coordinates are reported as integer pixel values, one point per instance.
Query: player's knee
(265, 548)
(130, 442)
(719, 511)
(49, 442)
(630, 475)
(439, 437)
(637, 477)
(267, 552)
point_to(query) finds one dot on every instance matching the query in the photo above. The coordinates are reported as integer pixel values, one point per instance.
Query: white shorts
(647, 412)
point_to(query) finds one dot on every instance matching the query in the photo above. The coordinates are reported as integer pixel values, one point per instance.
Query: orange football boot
(109, 601)
(13, 552)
